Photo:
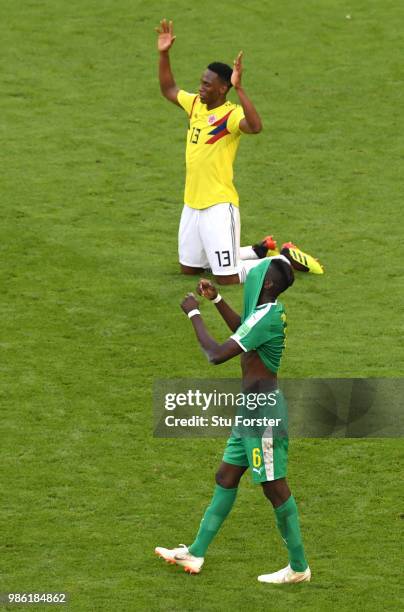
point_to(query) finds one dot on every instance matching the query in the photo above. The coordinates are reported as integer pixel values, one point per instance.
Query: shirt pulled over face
(263, 328)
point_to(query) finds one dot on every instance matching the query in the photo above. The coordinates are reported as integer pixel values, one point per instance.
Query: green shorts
(264, 449)
(267, 457)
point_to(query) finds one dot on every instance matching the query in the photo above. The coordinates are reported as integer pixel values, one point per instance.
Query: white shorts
(210, 238)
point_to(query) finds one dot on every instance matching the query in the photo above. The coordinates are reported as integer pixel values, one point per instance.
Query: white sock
(245, 267)
(247, 252)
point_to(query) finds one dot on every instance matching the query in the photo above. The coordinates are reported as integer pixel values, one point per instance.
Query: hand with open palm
(166, 36)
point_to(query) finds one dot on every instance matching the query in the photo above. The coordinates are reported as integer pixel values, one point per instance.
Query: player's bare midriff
(255, 373)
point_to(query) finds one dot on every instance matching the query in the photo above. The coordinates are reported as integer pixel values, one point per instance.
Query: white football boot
(181, 556)
(286, 576)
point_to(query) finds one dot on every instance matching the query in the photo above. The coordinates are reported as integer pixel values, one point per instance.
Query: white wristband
(217, 299)
(193, 312)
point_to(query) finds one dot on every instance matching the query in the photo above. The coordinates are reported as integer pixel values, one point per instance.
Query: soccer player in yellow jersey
(209, 233)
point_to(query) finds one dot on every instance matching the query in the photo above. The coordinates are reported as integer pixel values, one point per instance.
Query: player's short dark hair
(282, 275)
(223, 71)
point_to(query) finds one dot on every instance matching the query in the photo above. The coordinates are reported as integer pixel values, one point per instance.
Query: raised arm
(251, 124)
(215, 352)
(165, 41)
(208, 290)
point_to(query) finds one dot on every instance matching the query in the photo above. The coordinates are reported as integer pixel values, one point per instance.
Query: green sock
(287, 520)
(220, 506)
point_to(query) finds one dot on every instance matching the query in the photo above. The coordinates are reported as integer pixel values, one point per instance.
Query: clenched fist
(206, 289)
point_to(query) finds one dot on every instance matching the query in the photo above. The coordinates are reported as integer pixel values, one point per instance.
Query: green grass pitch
(91, 183)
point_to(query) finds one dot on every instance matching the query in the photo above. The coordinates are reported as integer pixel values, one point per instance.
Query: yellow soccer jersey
(212, 143)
